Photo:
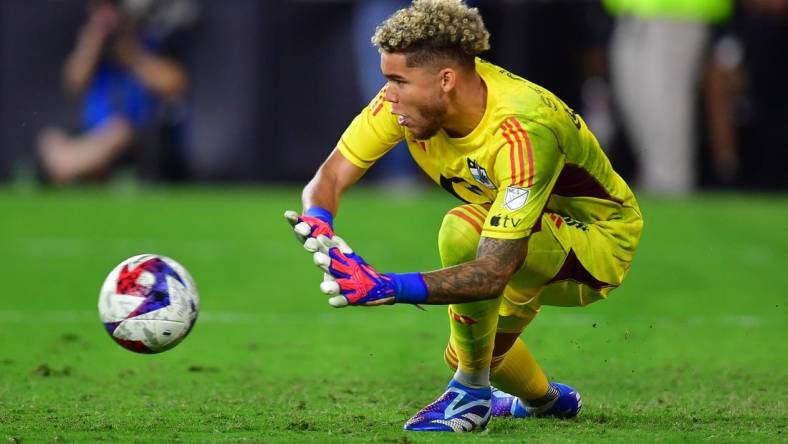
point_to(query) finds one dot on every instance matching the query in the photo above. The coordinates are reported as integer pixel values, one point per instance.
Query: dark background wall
(273, 87)
(34, 38)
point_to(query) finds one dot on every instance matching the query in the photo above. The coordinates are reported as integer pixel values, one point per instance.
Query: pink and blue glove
(315, 221)
(350, 280)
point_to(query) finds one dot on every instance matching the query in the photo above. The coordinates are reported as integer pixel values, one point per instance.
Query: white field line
(237, 317)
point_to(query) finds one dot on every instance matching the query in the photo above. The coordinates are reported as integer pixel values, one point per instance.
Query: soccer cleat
(504, 404)
(566, 405)
(459, 409)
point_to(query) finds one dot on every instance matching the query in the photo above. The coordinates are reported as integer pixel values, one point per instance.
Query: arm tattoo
(483, 278)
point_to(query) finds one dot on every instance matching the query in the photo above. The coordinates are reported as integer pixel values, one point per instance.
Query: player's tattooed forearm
(461, 283)
(483, 278)
(506, 255)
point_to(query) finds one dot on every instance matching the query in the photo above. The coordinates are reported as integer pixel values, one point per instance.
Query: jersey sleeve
(526, 169)
(371, 134)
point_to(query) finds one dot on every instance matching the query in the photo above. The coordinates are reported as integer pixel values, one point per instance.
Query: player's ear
(447, 78)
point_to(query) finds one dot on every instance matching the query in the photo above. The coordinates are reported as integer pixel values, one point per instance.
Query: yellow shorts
(569, 263)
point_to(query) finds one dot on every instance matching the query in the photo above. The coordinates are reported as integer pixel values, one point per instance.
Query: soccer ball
(148, 303)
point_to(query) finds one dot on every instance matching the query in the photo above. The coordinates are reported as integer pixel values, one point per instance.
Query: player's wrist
(322, 214)
(410, 288)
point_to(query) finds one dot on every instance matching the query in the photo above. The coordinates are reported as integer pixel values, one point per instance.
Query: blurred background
(682, 94)
(122, 123)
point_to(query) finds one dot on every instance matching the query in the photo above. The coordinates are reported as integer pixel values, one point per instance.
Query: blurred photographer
(121, 67)
(747, 97)
(657, 52)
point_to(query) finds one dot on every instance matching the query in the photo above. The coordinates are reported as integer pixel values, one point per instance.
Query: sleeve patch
(516, 198)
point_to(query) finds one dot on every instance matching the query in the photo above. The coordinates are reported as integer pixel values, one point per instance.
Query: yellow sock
(473, 333)
(473, 324)
(518, 373)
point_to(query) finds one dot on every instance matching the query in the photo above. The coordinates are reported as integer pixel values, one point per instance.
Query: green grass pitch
(692, 348)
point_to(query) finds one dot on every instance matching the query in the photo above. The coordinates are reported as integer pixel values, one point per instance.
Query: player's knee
(459, 234)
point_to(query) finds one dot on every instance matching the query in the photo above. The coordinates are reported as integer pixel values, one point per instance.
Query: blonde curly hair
(429, 30)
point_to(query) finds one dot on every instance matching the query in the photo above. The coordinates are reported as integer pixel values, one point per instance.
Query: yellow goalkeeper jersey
(529, 154)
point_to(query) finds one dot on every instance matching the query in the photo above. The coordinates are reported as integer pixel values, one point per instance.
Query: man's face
(415, 94)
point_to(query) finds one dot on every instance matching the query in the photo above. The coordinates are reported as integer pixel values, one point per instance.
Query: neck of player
(467, 103)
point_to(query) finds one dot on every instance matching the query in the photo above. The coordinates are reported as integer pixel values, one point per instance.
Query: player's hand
(348, 279)
(306, 228)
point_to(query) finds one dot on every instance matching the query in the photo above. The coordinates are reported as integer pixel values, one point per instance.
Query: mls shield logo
(516, 197)
(480, 174)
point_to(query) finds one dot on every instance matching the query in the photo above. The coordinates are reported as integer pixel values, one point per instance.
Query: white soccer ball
(148, 303)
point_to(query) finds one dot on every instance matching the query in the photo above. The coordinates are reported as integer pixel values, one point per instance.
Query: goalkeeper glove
(350, 280)
(314, 222)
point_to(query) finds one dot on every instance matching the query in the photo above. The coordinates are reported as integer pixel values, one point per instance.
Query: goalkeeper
(544, 221)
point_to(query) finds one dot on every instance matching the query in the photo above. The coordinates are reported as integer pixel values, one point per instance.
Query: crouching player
(546, 220)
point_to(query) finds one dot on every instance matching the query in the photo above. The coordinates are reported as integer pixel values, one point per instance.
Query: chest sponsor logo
(480, 174)
(516, 198)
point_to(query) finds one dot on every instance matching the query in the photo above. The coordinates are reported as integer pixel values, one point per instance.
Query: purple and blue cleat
(504, 404)
(459, 409)
(566, 405)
